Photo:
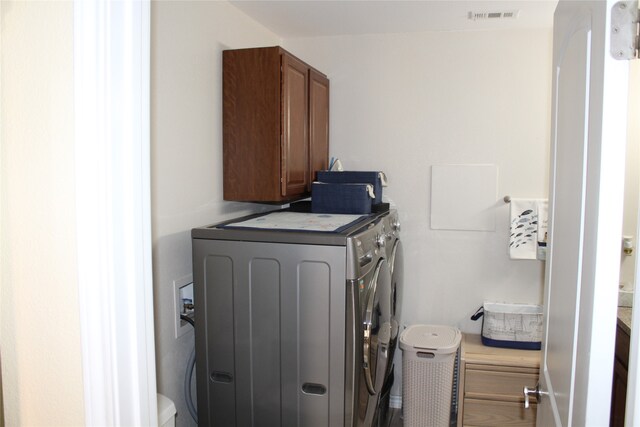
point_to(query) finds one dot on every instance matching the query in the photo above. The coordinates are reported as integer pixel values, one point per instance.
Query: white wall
(39, 312)
(187, 39)
(399, 103)
(402, 103)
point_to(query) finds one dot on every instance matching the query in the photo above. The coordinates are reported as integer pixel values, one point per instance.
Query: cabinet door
(618, 394)
(499, 383)
(252, 107)
(295, 131)
(619, 388)
(490, 413)
(318, 124)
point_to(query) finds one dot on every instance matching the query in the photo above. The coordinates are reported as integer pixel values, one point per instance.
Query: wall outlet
(182, 294)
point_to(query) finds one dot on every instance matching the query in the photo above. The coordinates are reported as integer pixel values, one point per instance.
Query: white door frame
(112, 84)
(632, 410)
(585, 393)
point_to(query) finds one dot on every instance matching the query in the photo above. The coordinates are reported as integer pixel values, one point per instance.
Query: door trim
(113, 214)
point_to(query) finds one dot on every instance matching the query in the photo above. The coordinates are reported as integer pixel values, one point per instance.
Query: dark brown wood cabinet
(619, 388)
(275, 125)
(318, 123)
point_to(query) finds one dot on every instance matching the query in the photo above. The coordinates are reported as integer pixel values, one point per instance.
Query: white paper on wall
(463, 197)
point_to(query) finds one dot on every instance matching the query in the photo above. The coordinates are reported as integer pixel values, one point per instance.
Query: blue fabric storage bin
(340, 198)
(511, 325)
(354, 177)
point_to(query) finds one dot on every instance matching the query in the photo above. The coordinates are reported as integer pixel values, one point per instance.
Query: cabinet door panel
(479, 412)
(295, 136)
(251, 124)
(619, 388)
(318, 123)
(623, 343)
(502, 385)
(618, 394)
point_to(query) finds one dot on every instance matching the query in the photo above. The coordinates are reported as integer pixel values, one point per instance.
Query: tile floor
(396, 418)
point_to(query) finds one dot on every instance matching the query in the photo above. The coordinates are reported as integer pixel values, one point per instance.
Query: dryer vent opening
(505, 14)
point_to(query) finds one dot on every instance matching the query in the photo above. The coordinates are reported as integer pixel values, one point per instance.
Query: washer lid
(435, 338)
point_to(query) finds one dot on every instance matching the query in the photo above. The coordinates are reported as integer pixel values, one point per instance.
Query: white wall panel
(463, 197)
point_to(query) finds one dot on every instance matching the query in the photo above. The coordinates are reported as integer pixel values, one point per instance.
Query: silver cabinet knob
(535, 392)
(395, 224)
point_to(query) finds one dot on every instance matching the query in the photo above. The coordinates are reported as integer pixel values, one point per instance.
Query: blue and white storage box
(341, 198)
(376, 179)
(511, 325)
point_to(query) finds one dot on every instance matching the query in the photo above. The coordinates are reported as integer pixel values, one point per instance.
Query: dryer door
(396, 266)
(377, 328)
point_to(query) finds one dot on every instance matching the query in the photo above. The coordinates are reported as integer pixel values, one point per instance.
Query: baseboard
(395, 401)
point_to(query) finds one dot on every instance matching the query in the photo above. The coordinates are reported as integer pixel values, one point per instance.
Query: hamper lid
(166, 409)
(437, 338)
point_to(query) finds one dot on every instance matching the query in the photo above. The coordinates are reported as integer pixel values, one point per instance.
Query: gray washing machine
(292, 327)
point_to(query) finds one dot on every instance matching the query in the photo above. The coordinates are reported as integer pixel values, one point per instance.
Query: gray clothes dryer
(292, 328)
(395, 258)
(394, 255)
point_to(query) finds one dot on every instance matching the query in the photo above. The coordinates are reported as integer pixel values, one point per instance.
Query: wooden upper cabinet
(295, 135)
(275, 125)
(318, 123)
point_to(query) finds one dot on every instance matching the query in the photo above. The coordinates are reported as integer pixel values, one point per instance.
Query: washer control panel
(368, 246)
(391, 226)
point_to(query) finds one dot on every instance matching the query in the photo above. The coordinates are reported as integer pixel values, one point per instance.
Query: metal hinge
(625, 36)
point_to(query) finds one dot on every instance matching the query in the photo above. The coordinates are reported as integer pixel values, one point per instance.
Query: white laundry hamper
(166, 411)
(428, 361)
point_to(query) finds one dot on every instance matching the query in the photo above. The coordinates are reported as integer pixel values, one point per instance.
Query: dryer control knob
(395, 224)
(381, 240)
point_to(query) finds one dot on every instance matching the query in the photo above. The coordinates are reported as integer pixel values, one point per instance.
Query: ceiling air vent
(506, 14)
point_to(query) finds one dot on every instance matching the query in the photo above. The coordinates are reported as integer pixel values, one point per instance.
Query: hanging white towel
(523, 229)
(542, 207)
